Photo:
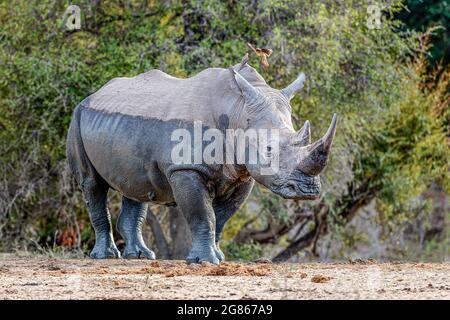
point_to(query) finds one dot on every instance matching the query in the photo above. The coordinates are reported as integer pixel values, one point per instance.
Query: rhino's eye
(268, 151)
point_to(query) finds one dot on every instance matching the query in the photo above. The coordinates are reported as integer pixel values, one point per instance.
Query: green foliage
(421, 15)
(407, 147)
(242, 251)
(388, 135)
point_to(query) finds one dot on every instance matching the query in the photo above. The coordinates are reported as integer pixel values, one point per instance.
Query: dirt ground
(55, 278)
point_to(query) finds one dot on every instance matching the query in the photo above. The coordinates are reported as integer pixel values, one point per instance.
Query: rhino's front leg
(195, 202)
(129, 225)
(226, 208)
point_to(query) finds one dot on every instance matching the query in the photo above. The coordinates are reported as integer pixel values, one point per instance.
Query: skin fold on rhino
(120, 138)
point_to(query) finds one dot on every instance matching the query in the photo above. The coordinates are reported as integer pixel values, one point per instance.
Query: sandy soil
(50, 278)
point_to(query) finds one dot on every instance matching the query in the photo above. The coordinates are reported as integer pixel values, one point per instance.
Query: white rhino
(120, 138)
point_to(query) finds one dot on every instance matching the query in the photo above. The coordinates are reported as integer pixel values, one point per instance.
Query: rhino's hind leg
(94, 189)
(129, 225)
(95, 193)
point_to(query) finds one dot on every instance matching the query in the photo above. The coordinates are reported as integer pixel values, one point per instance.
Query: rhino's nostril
(292, 186)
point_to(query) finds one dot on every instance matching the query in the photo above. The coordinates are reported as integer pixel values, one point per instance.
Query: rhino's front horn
(317, 153)
(251, 95)
(303, 136)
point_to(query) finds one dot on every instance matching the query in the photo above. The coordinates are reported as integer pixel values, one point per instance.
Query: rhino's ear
(251, 95)
(295, 86)
(244, 62)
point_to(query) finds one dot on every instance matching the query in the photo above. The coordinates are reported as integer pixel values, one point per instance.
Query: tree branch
(296, 246)
(270, 234)
(309, 238)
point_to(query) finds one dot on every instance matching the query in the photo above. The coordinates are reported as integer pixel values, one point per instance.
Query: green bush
(421, 15)
(242, 252)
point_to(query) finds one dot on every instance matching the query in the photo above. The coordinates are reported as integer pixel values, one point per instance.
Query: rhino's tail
(77, 158)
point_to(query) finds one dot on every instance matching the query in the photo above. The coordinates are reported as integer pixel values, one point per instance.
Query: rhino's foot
(105, 251)
(203, 255)
(138, 251)
(219, 253)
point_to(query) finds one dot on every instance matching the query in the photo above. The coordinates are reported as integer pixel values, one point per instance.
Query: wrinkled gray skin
(120, 138)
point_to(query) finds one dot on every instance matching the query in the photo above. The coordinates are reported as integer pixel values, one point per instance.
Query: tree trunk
(162, 247)
(180, 234)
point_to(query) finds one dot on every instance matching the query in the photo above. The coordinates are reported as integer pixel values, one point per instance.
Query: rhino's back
(155, 94)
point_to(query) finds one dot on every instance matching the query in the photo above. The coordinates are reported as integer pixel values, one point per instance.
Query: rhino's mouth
(298, 187)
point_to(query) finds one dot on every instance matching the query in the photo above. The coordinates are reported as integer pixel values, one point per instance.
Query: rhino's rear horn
(303, 136)
(317, 153)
